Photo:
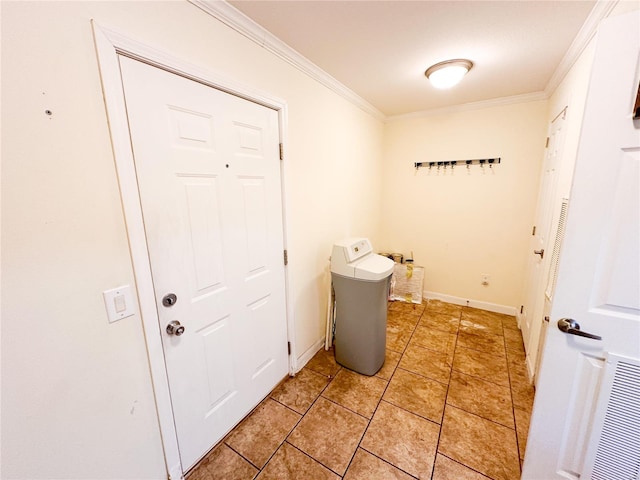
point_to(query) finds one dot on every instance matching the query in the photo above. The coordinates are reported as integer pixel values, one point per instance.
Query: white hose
(328, 337)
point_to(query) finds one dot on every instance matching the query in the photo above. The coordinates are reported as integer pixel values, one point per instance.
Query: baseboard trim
(303, 359)
(491, 307)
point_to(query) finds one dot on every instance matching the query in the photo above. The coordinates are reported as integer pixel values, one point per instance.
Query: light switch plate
(119, 303)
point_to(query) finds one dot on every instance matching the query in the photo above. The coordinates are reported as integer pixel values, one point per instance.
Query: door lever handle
(569, 325)
(539, 252)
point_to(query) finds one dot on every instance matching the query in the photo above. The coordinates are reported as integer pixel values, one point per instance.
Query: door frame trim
(110, 43)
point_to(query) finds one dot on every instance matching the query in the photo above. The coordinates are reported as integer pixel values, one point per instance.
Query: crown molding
(600, 10)
(494, 102)
(236, 20)
(239, 22)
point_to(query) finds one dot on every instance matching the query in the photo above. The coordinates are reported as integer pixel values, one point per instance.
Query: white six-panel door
(208, 171)
(541, 240)
(586, 416)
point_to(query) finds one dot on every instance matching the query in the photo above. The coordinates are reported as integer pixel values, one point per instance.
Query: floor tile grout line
(466, 466)
(244, 458)
(444, 407)
(331, 378)
(302, 416)
(513, 409)
(288, 407)
(279, 445)
(412, 413)
(383, 392)
(346, 408)
(421, 375)
(481, 378)
(480, 416)
(447, 397)
(387, 462)
(312, 458)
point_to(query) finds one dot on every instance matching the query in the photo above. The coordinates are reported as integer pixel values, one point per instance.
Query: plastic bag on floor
(406, 283)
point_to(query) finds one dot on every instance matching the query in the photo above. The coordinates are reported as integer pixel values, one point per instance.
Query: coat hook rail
(455, 163)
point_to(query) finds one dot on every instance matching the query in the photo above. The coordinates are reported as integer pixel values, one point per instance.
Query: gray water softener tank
(361, 284)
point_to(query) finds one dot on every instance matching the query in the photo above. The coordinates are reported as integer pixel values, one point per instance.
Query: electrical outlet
(484, 278)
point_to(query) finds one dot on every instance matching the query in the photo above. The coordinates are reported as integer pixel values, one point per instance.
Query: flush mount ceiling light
(448, 73)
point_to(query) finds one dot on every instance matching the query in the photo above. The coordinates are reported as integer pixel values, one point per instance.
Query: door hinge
(281, 152)
(521, 308)
(286, 257)
(533, 231)
(546, 144)
(289, 348)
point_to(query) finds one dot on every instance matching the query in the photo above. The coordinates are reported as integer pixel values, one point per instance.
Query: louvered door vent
(555, 255)
(618, 448)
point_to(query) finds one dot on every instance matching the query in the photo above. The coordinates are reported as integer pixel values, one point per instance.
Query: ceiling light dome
(448, 73)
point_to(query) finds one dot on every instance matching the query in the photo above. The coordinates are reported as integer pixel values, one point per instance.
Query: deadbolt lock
(169, 299)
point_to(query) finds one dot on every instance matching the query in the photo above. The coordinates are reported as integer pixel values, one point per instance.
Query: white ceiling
(380, 49)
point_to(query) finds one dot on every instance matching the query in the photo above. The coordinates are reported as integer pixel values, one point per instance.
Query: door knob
(539, 252)
(569, 325)
(174, 328)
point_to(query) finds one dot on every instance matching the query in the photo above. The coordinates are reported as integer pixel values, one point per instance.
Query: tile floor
(452, 402)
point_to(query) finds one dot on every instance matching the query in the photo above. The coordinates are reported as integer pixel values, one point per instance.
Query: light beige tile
(523, 395)
(447, 469)
(480, 444)
(417, 394)
(329, 434)
(523, 419)
(391, 360)
(223, 464)
(493, 344)
(522, 390)
(365, 466)
(471, 312)
(509, 322)
(479, 322)
(404, 317)
(289, 463)
(356, 392)
(489, 367)
(436, 340)
(443, 307)
(299, 392)
(482, 398)
(406, 307)
(440, 321)
(513, 340)
(434, 365)
(402, 439)
(518, 371)
(261, 433)
(324, 363)
(399, 330)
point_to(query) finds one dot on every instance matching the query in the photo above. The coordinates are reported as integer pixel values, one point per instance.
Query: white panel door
(586, 420)
(208, 172)
(540, 254)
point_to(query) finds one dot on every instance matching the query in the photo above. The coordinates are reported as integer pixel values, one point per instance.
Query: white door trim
(109, 44)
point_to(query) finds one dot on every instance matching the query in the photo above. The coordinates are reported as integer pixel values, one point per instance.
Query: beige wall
(77, 399)
(464, 223)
